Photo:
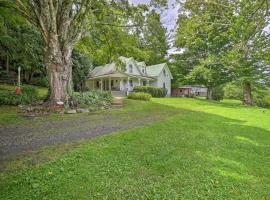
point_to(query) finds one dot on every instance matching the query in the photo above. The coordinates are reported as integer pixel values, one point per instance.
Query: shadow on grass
(188, 155)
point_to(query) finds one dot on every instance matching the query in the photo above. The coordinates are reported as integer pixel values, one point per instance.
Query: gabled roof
(151, 71)
(103, 70)
(126, 60)
(141, 64)
(155, 70)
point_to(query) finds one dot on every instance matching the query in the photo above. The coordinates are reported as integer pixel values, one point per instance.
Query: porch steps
(117, 102)
(118, 93)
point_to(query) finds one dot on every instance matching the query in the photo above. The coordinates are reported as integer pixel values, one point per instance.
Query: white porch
(113, 83)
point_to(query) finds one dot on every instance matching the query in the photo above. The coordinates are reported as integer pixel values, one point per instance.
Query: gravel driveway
(17, 139)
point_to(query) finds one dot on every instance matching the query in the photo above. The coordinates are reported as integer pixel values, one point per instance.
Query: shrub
(4, 74)
(93, 98)
(153, 91)
(233, 91)
(218, 93)
(9, 97)
(139, 96)
(40, 81)
(262, 98)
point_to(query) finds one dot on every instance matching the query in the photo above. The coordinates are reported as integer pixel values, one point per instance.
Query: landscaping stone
(82, 110)
(71, 112)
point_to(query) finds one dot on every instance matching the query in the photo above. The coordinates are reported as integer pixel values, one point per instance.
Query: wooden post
(139, 81)
(121, 85)
(147, 82)
(110, 84)
(93, 84)
(101, 85)
(128, 86)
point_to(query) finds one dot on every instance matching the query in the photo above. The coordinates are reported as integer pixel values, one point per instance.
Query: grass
(9, 114)
(207, 151)
(42, 91)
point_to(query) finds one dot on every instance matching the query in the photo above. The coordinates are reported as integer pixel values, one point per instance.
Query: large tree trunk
(59, 70)
(209, 93)
(247, 100)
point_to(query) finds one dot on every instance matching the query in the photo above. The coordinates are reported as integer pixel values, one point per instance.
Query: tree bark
(209, 93)
(61, 24)
(247, 100)
(59, 70)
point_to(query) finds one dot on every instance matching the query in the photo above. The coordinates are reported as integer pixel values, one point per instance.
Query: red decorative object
(18, 90)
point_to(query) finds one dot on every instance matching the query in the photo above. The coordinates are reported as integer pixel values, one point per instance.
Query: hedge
(139, 96)
(153, 91)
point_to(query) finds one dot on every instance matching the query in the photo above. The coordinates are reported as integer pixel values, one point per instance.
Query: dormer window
(130, 68)
(143, 70)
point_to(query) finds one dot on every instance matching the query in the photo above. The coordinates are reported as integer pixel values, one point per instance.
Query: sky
(168, 17)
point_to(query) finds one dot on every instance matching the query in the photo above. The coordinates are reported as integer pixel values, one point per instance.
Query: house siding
(152, 74)
(135, 70)
(163, 79)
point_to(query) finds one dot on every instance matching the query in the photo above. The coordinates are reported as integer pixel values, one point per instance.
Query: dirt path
(17, 139)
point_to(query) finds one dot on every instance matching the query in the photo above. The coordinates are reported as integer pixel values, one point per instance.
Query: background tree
(20, 45)
(81, 65)
(248, 57)
(229, 36)
(154, 39)
(61, 24)
(138, 34)
(7, 41)
(202, 34)
(210, 75)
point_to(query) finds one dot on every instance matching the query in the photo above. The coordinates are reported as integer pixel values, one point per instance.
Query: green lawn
(207, 151)
(9, 114)
(42, 91)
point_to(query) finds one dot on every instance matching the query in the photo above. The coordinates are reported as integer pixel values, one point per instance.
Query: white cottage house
(121, 82)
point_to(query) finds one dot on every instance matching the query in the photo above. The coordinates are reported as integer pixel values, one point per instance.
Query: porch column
(101, 84)
(94, 84)
(110, 86)
(139, 81)
(128, 84)
(121, 84)
(147, 82)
